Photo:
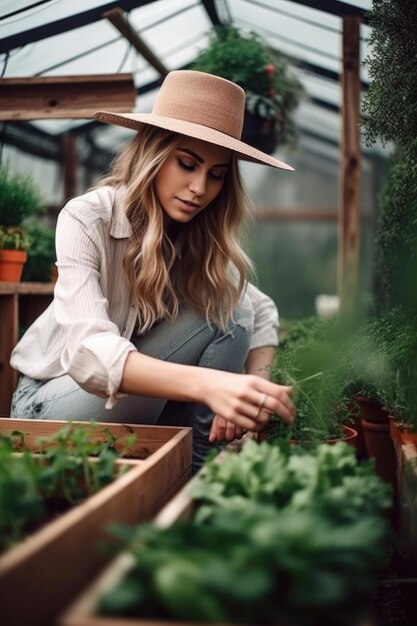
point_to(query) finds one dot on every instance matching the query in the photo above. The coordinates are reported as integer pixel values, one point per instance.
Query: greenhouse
(208, 398)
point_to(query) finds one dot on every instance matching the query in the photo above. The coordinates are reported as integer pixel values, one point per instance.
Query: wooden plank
(27, 288)
(36, 297)
(83, 612)
(408, 499)
(349, 222)
(8, 337)
(149, 439)
(54, 564)
(61, 97)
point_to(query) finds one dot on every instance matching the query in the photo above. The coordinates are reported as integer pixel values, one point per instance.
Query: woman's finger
(230, 431)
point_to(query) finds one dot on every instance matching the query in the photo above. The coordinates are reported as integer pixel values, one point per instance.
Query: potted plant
(309, 360)
(272, 93)
(19, 199)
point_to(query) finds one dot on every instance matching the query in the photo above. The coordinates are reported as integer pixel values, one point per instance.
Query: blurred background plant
(389, 115)
(20, 198)
(41, 257)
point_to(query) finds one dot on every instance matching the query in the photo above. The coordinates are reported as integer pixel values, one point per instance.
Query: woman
(152, 301)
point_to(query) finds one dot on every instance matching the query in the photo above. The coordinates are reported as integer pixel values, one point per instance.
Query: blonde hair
(211, 271)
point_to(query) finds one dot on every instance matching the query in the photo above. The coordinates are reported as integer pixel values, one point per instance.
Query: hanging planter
(259, 132)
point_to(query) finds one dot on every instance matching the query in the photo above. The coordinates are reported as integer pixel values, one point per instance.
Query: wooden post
(69, 164)
(349, 221)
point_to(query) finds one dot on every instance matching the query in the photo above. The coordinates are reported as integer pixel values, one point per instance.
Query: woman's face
(191, 177)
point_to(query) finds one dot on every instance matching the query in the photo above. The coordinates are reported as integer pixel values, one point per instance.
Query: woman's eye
(186, 166)
(217, 175)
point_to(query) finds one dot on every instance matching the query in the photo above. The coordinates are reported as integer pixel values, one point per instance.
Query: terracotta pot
(11, 265)
(380, 447)
(357, 415)
(403, 433)
(349, 436)
(371, 410)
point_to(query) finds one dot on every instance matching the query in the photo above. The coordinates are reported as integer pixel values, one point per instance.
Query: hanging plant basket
(259, 132)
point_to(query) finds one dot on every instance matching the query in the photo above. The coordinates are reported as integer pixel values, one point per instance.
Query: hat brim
(197, 131)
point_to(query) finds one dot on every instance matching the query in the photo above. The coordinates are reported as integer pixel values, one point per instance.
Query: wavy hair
(211, 269)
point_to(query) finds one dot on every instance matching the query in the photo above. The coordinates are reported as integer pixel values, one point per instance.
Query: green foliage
(32, 486)
(310, 359)
(19, 197)
(390, 105)
(396, 336)
(396, 243)
(324, 480)
(390, 114)
(282, 544)
(41, 255)
(14, 238)
(243, 59)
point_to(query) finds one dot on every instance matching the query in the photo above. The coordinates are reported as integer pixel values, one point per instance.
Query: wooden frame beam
(65, 97)
(118, 19)
(350, 164)
(66, 24)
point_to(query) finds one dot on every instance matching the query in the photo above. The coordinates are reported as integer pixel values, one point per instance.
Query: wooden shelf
(65, 97)
(20, 304)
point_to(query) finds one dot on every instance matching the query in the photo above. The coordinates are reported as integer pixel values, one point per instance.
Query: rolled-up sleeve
(266, 322)
(94, 354)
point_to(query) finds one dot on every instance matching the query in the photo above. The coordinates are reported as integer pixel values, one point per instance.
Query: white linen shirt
(85, 332)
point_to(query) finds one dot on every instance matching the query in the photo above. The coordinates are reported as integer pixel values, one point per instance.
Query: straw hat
(198, 105)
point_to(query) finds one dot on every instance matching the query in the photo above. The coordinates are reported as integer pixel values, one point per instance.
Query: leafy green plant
(19, 199)
(389, 114)
(272, 91)
(310, 360)
(35, 486)
(389, 105)
(325, 479)
(14, 238)
(282, 544)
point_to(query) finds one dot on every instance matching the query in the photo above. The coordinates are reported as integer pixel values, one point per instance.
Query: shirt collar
(120, 226)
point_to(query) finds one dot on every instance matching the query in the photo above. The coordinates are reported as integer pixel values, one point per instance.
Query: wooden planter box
(406, 454)
(43, 573)
(83, 611)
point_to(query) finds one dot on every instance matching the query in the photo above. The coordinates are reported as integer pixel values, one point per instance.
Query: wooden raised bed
(40, 575)
(83, 611)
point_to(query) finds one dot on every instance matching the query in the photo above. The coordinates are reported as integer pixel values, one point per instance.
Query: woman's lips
(188, 205)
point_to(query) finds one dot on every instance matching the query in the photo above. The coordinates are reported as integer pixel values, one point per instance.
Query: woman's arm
(260, 360)
(236, 397)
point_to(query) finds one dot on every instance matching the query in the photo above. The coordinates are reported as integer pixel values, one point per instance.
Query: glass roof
(62, 38)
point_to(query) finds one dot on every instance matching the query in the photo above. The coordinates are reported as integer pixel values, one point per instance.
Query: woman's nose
(198, 184)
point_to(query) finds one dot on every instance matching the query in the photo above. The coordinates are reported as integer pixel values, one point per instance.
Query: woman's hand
(245, 400)
(224, 430)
